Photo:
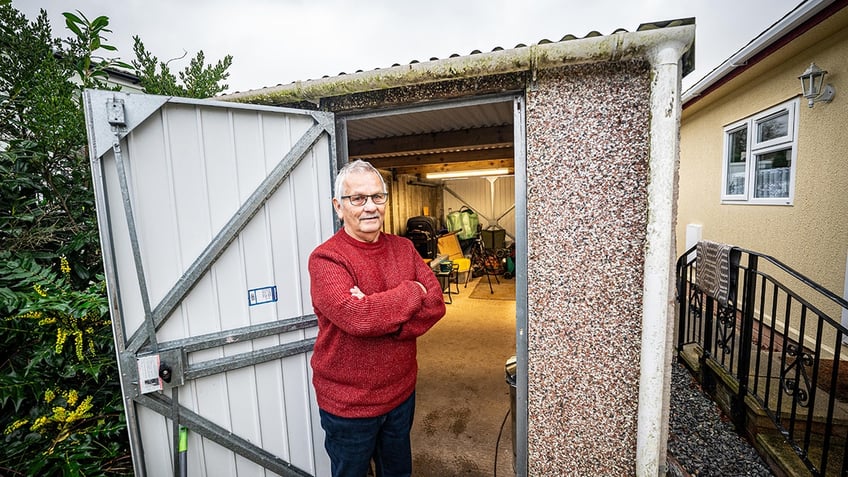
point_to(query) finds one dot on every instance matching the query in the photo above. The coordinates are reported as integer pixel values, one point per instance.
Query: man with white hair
(373, 296)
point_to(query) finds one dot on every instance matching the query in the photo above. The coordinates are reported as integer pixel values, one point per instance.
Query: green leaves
(72, 22)
(91, 68)
(198, 79)
(48, 305)
(54, 316)
(47, 212)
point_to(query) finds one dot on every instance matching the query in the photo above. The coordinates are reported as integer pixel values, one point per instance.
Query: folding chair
(449, 245)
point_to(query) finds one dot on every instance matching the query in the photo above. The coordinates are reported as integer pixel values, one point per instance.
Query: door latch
(165, 372)
(156, 372)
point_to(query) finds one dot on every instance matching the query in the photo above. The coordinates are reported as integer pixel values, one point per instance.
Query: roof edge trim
(615, 47)
(782, 27)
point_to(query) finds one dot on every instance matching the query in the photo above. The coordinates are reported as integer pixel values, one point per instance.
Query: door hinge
(115, 112)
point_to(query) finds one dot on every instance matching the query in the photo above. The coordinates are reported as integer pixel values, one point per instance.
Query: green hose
(183, 451)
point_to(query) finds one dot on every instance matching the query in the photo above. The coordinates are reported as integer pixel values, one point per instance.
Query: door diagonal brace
(229, 233)
(196, 423)
(239, 335)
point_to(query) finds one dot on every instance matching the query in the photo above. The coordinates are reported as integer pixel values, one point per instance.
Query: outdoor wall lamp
(813, 87)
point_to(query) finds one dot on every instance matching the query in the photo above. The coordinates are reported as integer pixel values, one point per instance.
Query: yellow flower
(78, 344)
(60, 414)
(50, 320)
(49, 396)
(61, 336)
(30, 314)
(72, 397)
(66, 268)
(81, 411)
(16, 425)
(39, 290)
(39, 423)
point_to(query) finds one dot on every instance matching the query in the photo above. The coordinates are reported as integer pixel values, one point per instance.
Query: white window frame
(753, 149)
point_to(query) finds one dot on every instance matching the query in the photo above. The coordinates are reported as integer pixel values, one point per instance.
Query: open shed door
(208, 212)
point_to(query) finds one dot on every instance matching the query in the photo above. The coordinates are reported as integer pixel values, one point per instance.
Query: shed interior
(462, 397)
(466, 138)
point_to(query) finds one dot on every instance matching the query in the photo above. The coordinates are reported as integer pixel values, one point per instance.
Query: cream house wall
(811, 235)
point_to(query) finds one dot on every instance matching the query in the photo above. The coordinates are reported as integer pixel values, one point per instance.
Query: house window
(759, 157)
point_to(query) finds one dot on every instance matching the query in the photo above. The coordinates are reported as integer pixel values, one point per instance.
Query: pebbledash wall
(587, 175)
(595, 206)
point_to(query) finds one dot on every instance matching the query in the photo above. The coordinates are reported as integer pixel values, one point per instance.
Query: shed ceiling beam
(496, 137)
(442, 158)
(453, 167)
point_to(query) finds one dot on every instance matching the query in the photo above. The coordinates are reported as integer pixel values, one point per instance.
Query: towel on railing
(712, 274)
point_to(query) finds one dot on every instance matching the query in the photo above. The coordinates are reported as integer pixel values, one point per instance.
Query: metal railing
(784, 346)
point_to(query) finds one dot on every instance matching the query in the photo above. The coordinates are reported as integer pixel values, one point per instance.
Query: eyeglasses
(359, 200)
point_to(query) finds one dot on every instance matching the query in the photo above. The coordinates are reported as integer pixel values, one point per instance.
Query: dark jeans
(353, 442)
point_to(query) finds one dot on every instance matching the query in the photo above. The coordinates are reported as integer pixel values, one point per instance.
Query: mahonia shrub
(62, 408)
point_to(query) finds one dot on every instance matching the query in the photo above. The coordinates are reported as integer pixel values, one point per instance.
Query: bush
(61, 409)
(60, 403)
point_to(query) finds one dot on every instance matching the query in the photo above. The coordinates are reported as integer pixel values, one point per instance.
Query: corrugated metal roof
(688, 57)
(544, 41)
(417, 139)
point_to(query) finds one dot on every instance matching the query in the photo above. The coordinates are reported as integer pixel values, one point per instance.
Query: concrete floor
(462, 396)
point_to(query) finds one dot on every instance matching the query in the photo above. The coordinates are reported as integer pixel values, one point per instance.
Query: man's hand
(423, 288)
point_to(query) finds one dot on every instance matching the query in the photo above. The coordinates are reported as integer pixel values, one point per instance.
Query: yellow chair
(449, 245)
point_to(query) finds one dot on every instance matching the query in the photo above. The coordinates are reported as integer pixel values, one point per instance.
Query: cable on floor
(498, 442)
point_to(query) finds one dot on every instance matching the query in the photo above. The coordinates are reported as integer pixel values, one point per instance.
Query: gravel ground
(701, 439)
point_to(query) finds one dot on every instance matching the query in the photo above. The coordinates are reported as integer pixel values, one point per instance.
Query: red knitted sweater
(364, 361)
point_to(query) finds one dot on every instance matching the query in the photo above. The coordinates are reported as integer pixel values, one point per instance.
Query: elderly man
(373, 296)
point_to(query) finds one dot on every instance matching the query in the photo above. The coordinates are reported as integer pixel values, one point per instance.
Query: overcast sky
(279, 41)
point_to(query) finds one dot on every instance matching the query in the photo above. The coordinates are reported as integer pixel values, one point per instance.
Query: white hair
(357, 166)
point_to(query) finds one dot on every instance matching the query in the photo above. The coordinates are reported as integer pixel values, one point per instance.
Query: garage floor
(462, 395)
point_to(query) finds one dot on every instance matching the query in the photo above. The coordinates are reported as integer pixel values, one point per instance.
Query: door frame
(520, 157)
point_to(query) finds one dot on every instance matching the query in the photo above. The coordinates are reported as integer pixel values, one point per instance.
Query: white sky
(279, 41)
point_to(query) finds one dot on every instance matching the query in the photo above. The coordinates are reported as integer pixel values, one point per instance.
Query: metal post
(682, 302)
(707, 316)
(745, 339)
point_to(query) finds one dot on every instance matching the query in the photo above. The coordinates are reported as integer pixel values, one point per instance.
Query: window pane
(773, 174)
(774, 127)
(737, 155)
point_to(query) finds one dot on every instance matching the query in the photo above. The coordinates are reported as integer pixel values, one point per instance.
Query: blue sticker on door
(258, 296)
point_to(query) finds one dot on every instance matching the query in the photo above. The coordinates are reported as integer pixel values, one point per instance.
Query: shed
(207, 274)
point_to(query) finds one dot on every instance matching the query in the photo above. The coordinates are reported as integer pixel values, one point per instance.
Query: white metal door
(208, 212)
